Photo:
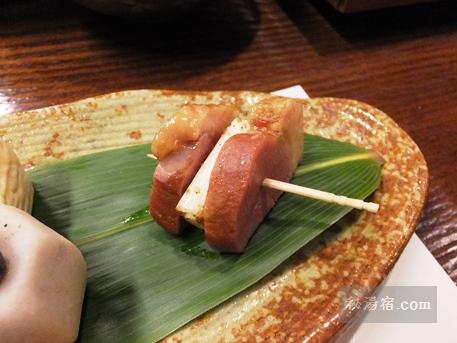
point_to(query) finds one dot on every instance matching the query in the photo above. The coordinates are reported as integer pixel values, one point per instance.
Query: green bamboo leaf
(144, 283)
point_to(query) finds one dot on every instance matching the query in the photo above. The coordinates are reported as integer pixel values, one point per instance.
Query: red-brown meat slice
(171, 179)
(181, 147)
(236, 201)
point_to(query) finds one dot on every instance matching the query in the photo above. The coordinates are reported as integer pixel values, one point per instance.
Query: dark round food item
(2, 267)
(146, 10)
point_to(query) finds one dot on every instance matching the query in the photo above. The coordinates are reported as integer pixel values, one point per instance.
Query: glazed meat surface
(236, 201)
(171, 179)
(191, 122)
(181, 148)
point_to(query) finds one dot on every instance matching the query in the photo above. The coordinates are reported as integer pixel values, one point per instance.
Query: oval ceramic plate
(300, 300)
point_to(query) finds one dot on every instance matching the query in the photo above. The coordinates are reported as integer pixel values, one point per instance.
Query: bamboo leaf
(144, 283)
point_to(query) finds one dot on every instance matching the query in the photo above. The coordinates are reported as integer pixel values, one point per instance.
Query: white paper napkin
(415, 267)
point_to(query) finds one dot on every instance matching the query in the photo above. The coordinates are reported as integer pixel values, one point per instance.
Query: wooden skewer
(315, 194)
(321, 195)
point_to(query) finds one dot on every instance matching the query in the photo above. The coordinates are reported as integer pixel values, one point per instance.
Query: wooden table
(403, 61)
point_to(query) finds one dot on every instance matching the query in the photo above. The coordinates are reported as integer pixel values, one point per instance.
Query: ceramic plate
(300, 299)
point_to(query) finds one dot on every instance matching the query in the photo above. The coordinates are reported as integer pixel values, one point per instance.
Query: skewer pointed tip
(371, 207)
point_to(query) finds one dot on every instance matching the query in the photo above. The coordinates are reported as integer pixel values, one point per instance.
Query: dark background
(403, 61)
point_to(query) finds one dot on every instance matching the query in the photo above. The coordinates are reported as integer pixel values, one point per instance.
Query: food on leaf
(237, 202)
(226, 198)
(192, 203)
(181, 148)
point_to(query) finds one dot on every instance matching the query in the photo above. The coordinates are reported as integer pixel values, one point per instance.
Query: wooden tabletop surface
(403, 61)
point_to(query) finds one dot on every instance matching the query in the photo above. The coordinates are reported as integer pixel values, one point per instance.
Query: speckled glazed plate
(300, 300)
